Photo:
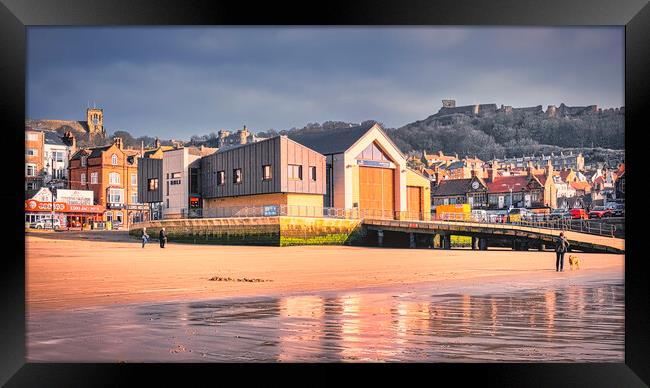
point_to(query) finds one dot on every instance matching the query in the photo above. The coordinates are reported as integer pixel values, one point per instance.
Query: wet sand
(69, 270)
(571, 323)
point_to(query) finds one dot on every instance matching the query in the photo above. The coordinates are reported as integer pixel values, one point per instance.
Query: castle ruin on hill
(449, 108)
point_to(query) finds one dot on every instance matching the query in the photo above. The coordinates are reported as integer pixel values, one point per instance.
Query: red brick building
(34, 148)
(111, 172)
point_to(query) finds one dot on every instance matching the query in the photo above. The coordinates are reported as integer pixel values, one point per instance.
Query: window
(31, 136)
(58, 156)
(109, 216)
(134, 179)
(115, 195)
(114, 178)
(174, 178)
(114, 160)
(134, 197)
(294, 172)
(31, 152)
(312, 173)
(118, 217)
(30, 170)
(59, 173)
(194, 180)
(83, 178)
(266, 172)
(94, 178)
(84, 160)
(31, 185)
(153, 184)
(167, 203)
(236, 175)
(372, 152)
(221, 178)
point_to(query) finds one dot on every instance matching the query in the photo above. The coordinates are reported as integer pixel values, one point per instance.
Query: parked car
(618, 210)
(559, 214)
(46, 223)
(600, 212)
(579, 214)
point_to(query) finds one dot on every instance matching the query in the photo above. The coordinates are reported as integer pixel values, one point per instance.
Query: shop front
(69, 215)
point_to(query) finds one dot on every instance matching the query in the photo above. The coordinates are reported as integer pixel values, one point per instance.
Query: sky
(175, 82)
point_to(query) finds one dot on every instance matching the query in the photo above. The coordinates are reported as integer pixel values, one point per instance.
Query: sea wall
(273, 231)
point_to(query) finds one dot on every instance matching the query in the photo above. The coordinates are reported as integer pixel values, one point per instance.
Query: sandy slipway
(70, 271)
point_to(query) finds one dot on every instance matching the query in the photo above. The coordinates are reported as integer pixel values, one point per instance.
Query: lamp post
(510, 188)
(51, 191)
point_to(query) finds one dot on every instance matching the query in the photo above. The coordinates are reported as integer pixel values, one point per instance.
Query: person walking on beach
(162, 237)
(145, 237)
(560, 249)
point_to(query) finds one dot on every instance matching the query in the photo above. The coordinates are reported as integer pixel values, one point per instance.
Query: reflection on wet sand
(575, 323)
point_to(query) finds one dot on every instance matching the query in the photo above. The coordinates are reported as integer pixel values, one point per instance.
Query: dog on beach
(574, 261)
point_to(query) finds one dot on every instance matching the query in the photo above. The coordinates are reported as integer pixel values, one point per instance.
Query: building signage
(375, 163)
(114, 205)
(76, 197)
(175, 182)
(38, 206)
(43, 195)
(270, 211)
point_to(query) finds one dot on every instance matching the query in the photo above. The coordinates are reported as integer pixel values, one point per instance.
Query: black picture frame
(16, 15)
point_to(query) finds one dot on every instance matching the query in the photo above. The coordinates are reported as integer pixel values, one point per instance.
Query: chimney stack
(118, 142)
(492, 171)
(70, 140)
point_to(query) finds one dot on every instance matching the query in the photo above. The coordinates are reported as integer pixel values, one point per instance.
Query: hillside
(488, 131)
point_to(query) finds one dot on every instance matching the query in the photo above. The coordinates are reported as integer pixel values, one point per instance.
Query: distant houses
(520, 182)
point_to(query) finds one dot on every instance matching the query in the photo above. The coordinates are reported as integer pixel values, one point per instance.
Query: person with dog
(162, 237)
(560, 249)
(145, 237)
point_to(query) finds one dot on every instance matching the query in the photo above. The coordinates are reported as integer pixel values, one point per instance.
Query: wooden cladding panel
(149, 169)
(277, 152)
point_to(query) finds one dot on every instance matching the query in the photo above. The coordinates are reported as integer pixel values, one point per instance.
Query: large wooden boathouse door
(414, 202)
(377, 192)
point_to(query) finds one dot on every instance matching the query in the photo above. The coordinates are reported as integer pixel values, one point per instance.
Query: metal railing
(301, 211)
(541, 224)
(582, 226)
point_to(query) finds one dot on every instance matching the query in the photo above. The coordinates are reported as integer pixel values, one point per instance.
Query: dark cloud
(175, 82)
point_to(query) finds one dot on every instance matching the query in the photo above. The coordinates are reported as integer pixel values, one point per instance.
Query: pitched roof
(564, 174)
(451, 187)
(580, 186)
(53, 138)
(455, 165)
(517, 182)
(332, 142)
(93, 152)
(541, 178)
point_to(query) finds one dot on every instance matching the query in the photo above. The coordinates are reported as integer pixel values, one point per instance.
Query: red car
(600, 212)
(578, 214)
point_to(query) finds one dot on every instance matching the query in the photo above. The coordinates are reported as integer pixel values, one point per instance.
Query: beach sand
(68, 270)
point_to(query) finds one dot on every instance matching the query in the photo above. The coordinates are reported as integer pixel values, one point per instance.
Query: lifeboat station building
(276, 174)
(366, 171)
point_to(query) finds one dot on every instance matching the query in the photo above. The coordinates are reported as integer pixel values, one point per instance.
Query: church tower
(95, 119)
